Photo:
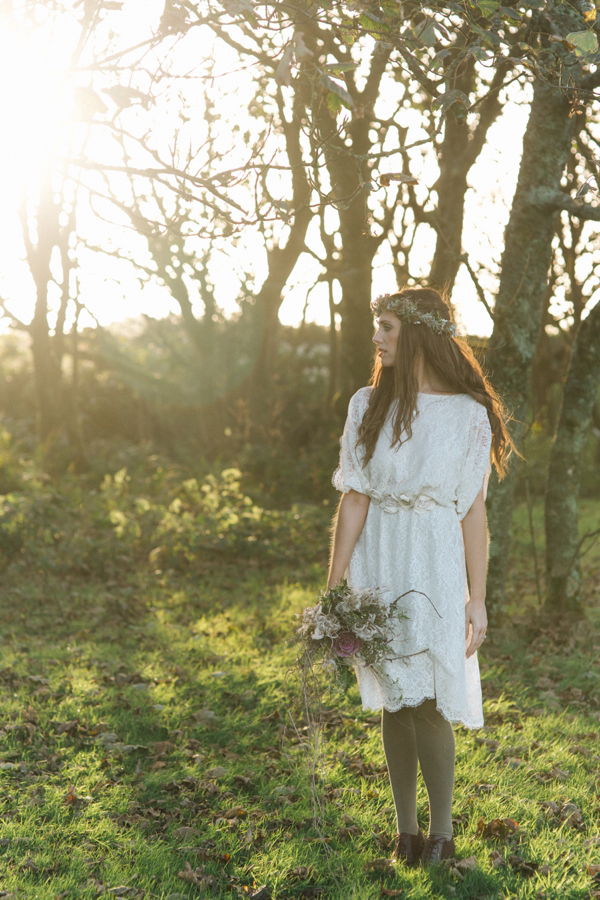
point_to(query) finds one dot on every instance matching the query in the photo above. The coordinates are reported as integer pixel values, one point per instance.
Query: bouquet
(348, 627)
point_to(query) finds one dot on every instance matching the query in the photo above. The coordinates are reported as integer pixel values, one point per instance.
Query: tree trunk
(459, 151)
(349, 170)
(519, 306)
(46, 364)
(563, 571)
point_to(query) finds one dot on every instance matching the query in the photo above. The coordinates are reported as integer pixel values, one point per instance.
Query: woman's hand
(476, 618)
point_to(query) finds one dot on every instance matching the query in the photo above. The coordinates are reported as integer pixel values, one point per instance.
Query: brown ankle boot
(408, 848)
(435, 849)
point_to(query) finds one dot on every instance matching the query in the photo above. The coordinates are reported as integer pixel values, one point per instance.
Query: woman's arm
(475, 537)
(347, 526)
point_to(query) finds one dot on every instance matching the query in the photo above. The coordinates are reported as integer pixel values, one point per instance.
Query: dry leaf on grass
(185, 832)
(491, 745)
(382, 865)
(499, 829)
(301, 872)
(467, 864)
(522, 866)
(594, 871)
(244, 781)
(261, 893)
(197, 876)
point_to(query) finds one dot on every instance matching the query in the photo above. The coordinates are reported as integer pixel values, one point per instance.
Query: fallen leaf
(497, 859)
(29, 866)
(261, 893)
(205, 716)
(244, 781)
(381, 865)
(188, 874)
(572, 815)
(73, 799)
(235, 812)
(492, 746)
(550, 806)
(160, 748)
(216, 772)
(467, 864)
(107, 737)
(583, 751)
(301, 872)
(497, 828)
(390, 892)
(522, 866)
(185, 832)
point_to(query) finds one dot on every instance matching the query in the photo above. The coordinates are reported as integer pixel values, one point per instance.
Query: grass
(152, 745)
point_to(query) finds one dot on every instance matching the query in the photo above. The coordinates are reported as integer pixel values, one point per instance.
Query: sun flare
(32, 112)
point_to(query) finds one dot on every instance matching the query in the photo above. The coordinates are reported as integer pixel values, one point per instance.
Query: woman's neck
(427, 380)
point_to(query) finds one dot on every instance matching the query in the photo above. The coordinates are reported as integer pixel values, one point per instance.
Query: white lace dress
(412, 541)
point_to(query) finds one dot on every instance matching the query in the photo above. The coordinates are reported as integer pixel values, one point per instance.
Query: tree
(563, 571)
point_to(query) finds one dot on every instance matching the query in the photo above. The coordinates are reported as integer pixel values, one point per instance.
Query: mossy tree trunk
(520, 303)
(563, 571)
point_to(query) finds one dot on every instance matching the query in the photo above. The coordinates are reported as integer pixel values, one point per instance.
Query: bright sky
(36, 116)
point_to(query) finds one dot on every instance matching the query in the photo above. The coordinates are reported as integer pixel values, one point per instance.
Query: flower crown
(408, 310)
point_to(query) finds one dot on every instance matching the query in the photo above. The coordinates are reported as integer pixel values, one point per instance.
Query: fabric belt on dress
(419, 503)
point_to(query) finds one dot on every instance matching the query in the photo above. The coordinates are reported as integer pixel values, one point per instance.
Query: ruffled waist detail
(418, 501)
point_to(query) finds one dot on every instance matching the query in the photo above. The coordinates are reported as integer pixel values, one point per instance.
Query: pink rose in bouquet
(346, 644)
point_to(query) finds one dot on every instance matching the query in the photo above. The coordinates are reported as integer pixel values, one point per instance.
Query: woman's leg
(400, 746)
(434, 739)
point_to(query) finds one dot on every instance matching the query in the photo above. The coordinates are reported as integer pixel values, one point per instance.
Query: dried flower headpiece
(407, 310)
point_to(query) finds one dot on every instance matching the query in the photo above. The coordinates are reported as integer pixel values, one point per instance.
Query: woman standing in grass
(415, 458)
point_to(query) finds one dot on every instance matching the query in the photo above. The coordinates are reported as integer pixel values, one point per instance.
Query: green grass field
(153, 744)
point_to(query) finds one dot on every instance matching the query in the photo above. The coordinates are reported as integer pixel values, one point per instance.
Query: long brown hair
(451, 358)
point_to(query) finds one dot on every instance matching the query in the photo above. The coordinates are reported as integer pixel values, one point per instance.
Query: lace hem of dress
(447, 714)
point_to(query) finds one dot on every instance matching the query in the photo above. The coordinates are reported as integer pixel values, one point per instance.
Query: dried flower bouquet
(348, 627)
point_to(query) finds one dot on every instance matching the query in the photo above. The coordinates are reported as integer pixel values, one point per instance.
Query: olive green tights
(420, 735)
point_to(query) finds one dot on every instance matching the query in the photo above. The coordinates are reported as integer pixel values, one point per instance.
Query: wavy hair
(451, 358)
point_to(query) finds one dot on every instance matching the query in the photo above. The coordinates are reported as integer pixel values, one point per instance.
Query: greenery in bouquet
(347, 627)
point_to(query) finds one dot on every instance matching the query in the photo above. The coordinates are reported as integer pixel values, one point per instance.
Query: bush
(155, 521)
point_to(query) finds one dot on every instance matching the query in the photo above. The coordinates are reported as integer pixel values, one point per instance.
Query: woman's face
(386, 337)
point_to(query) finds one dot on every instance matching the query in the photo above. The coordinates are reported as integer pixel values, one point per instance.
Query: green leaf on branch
(334, 104)
(488, 7)
(508, 13)
(370, 17)
(450, 99)
(585, 43)
(426, 33)
(336, 88)
(340, 67)
(490, 37)
(373, 25)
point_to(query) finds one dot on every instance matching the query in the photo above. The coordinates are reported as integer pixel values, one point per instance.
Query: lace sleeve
(476, 468)
(350, 475)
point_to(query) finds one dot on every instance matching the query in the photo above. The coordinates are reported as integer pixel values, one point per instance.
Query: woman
(414, 463)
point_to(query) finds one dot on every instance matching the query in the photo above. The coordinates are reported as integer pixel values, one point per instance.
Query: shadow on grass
(153, 745)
